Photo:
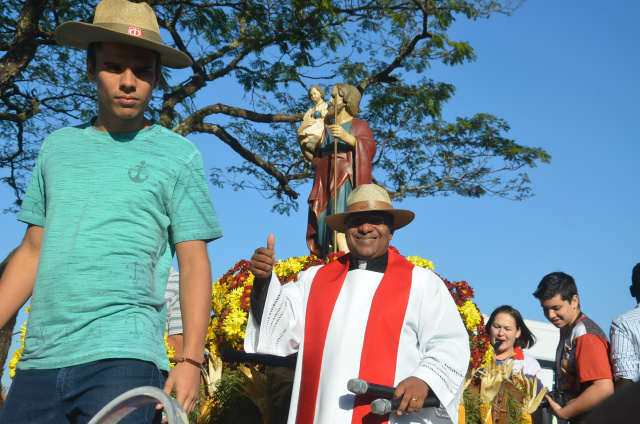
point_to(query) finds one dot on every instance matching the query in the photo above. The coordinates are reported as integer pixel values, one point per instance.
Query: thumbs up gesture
(263, 259)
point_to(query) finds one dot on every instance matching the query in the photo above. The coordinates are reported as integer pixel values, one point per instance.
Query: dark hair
(635, 275)
(554, 284)
(526, 338)
(93, 48)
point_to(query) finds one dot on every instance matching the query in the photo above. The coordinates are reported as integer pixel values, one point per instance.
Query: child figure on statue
(310, 131)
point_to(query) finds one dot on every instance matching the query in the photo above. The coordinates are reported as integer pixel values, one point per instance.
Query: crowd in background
(589, 367)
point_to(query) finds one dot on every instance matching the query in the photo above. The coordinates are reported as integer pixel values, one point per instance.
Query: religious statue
(310, 131)
(351, 156)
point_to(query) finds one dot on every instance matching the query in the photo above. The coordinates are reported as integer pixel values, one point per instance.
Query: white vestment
(434, 345)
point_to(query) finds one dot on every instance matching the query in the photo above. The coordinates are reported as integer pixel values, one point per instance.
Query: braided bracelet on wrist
(191, 361)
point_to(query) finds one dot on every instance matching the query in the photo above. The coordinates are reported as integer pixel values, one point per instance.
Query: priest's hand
(263, 259)
(413, 391)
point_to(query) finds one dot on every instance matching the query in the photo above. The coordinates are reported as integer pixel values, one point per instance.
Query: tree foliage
(273, 51)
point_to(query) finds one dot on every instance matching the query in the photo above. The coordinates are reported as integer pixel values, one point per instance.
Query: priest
(371, 315)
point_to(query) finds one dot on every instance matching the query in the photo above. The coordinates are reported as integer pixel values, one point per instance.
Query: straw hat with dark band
(120, 21)
(369, 198)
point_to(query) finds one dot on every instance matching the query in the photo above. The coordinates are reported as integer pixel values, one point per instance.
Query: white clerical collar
(361, 264)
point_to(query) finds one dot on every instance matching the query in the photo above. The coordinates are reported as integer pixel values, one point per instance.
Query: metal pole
(335, 179)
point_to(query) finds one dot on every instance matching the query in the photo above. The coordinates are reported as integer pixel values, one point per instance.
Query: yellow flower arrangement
(171, 352)
(290, 266)
(470, 314)
(487, 358)
(421, 262)
(233, 323)
(230, 307)
(13, 363)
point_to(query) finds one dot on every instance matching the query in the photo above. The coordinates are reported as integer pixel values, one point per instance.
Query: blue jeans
(73, 395)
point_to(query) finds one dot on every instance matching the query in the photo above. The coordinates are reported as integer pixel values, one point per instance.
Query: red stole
(379, 356)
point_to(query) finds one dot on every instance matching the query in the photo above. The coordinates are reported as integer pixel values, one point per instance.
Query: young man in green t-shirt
(109, 203)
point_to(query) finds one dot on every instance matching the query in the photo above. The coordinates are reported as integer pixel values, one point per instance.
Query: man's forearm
(195, 298)
(597, 391)
(195, 302)
(18, 279)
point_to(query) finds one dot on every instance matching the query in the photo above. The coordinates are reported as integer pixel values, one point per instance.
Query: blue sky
(564, 75)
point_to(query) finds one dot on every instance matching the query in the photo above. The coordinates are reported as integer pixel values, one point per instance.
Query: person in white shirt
(625, 339)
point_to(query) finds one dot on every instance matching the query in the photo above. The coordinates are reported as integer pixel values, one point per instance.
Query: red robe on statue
(357, 171)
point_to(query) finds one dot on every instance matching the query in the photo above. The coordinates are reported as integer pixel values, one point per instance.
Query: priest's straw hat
(369, 198)
(121, 21)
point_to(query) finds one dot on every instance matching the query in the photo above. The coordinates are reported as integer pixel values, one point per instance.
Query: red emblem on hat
(135, 31)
